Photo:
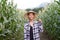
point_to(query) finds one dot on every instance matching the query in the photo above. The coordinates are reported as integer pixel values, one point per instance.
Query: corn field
(12, 21)
(51, 20)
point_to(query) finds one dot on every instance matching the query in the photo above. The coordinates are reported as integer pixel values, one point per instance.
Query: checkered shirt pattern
(37, 28)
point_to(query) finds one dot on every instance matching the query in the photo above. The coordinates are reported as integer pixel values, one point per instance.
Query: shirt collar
(33, 23)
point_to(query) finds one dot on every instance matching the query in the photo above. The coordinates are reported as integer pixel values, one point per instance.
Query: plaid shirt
(37, 28)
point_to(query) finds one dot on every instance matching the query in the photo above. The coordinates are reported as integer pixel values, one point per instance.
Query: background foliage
(51, 20)
(10, 28)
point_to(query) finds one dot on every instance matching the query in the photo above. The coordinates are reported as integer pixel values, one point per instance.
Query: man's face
(31, 16)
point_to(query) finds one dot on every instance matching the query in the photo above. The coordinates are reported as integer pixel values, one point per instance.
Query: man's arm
(40, 25)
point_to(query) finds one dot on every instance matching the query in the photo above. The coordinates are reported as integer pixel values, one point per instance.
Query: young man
(32, 28)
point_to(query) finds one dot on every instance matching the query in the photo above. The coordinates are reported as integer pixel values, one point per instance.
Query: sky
(23, 4)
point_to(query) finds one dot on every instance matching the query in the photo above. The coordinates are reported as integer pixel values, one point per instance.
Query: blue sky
(23, 4)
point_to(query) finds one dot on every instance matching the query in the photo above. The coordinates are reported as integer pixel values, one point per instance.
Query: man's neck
(31, 20)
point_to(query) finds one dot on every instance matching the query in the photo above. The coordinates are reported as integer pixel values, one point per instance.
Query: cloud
(23, 4)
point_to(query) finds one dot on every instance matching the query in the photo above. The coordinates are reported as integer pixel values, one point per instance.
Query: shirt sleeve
(25, 33)
(40, 27)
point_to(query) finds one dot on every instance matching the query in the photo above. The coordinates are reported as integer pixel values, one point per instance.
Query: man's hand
(40, 20)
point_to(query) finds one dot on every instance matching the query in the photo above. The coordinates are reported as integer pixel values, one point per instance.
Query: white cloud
(22, 4)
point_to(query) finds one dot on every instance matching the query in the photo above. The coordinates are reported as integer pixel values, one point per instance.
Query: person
(32, 28)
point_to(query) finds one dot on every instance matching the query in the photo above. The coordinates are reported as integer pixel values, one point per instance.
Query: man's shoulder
(38, 22)
(35, 21)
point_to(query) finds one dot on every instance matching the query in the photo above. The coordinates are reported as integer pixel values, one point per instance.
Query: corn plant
(10, 28)
(51, 20)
